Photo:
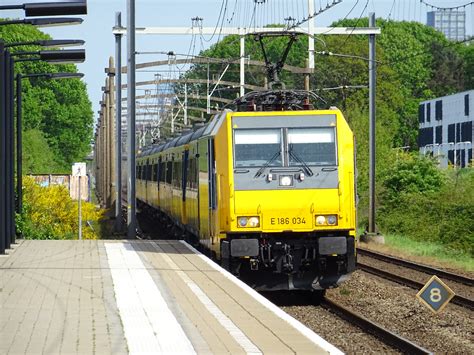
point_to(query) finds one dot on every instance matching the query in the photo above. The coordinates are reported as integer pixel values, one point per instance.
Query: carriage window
(169, 172)
(162, 171)
(154, 176)
(313, 146)
(257, 147)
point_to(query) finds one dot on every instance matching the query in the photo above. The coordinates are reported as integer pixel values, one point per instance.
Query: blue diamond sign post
(435, 295)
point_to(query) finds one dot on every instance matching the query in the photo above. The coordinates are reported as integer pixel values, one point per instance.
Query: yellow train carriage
(270, 194)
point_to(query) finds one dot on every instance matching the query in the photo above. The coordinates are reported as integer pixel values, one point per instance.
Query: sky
(96, 29)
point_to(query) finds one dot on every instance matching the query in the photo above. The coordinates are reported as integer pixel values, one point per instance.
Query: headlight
(320, 220)
(242, 221)
(286, 180)
(330, 220)
(248, 222)
(254, 222)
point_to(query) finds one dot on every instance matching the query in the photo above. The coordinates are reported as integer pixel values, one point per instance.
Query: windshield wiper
(305, 166)
(267, 163)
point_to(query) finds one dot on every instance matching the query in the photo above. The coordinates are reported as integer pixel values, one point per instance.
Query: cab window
(257, 147)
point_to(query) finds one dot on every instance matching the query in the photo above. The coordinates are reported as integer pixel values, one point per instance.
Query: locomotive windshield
(256, 147)
(302, 146)
(314, 146)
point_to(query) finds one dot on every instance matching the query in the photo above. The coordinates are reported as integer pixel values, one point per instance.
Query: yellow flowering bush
(49, 213)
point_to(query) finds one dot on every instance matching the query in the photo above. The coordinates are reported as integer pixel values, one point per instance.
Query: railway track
(458, 300)
(386, 336)
(383, 335)
(418, 267)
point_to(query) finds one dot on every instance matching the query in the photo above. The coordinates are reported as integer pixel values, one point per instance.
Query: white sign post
(79, 170)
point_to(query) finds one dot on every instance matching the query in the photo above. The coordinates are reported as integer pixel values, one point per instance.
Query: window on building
(466, 131)
(469, 157)
(439, 110)
(458, 132)
(451, 133)
(428, 112)
(421, 113)
(439, 134)
(466, 105)
(425, 136)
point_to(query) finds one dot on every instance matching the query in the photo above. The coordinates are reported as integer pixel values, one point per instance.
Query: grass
(431, 250)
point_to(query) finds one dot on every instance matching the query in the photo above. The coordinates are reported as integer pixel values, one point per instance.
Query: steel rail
(458, 300)
(416, 266)
(388, 337)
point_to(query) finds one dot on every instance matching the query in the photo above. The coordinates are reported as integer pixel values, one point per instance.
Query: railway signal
(435, 295)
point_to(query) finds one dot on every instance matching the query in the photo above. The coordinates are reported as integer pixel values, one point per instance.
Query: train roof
(175, 142)
(207, 129)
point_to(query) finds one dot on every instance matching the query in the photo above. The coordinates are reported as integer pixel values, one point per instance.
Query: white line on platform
(312, 336)
(226, 322)
(149, 325)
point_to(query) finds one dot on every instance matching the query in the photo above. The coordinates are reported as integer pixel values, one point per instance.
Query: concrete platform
(118, 297)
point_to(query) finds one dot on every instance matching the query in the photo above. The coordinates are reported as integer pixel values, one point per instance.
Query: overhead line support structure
(311, 31)
(131, 31)
(131, 193)
(372, 107)
(118, 125)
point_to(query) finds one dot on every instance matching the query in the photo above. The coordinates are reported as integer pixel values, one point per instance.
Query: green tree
(38, 157)
(59, 109)
(467, 53)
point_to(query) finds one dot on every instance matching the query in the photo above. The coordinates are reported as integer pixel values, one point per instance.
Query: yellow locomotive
(270, 194)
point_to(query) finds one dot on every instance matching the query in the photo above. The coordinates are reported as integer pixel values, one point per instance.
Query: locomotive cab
(291, 222)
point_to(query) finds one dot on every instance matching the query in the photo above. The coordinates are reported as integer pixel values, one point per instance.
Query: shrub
(442, 212)
(49, 213)
(410, 174)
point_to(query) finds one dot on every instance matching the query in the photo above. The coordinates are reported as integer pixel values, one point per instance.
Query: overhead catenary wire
(448, 7)
(357, 22)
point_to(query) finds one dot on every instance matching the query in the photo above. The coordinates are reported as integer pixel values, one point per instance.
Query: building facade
(446, 128)
(450, 22)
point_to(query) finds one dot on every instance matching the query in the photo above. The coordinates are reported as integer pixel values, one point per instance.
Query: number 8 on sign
(435, 294)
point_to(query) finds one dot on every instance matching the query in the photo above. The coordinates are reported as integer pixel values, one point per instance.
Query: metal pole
(372, 88)
(19, 149)
(306, 77)
(185, 119)
(111, 96)
(242, 65)
(9, 218)
(11, 151)
(311, 34)
(131, 202)
(2, 150)
(80, 207)
(118, 125)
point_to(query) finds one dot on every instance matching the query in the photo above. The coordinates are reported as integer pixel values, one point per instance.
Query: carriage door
(212, 188)
(184, 181)
(147, 169)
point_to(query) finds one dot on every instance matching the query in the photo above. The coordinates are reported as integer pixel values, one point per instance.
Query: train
(270, 195)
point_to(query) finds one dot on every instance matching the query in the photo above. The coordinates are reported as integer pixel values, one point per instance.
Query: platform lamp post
(44, 22)
(78, 7)
(48, 43)
(58, 8)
